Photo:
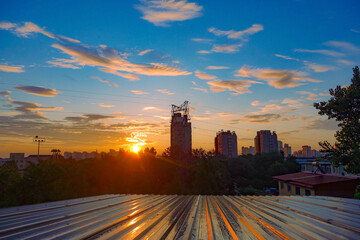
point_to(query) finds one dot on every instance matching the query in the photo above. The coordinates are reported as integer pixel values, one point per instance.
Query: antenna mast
(184, 108)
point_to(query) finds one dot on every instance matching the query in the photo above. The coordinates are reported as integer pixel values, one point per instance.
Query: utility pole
(39, 140)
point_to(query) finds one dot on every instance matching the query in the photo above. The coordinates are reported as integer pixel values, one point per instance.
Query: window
(297, 189)
(307, 192)
(289, 188)
(281, 185)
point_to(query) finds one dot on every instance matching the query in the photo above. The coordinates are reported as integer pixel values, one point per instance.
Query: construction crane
(183, 108)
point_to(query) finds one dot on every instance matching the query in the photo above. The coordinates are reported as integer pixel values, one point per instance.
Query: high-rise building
(248, 150)
(287, 150)
(306, 151)
(180, 130)
(265, 141)
(280, 146)
(226, 143)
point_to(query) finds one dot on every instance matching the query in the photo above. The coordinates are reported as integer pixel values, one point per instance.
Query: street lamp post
(39, 140)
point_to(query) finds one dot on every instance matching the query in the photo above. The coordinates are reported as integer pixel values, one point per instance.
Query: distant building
(287, 150)
(248, 150)
(280, 146)
(23, 162)
(180, 130)
(266, 142)
(306, 151)
(315, 154)
(317, 184)
(226, 143)
(310, 166)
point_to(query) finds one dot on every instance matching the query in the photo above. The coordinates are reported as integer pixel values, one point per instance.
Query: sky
(99, 75)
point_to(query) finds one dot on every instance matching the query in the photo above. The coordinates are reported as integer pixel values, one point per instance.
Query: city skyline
(104, 76)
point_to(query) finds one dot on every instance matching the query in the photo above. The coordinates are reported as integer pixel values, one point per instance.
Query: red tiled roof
(309, 180)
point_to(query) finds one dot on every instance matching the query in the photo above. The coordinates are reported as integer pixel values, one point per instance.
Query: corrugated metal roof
(185, 217)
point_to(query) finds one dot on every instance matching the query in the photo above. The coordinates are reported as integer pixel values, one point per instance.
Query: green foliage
(344, 107)
(143, 173)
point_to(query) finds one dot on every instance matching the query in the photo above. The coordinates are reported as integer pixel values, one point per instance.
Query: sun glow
(135, 149)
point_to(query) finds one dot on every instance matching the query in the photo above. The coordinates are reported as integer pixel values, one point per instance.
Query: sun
(135, 149)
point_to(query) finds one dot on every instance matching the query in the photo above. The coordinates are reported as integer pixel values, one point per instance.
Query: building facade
(181, 142)
(287, 150)
(266, 141)
(317, 184)
(248, 150)
(226, 143)
(306, 151)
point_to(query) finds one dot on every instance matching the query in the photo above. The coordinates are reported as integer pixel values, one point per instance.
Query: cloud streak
(161, 13)
(235, 86)
(321, 51)
(278, 78)
(204, 76)
(6, 68)
(111, 83)
(242, 35)
(38, 90)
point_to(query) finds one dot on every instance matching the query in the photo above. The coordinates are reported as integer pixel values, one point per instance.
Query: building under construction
(180, 130)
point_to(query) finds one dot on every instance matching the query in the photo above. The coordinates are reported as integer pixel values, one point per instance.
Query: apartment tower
(180, 130)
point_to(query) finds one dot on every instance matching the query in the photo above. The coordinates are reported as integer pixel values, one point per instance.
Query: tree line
(142, 173)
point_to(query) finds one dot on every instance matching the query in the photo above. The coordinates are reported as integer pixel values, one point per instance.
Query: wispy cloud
(317, 67)
(345, 62)
(30, 110)
(161, 13)
(278, 78)
(216, 67)
(144, 52)
(255, 103)
(202, 40)
(5, 93)
(6, 68)
(204, 76)
(321, 51)
(204, 52)
(29, 28)
(63, 63)
(38, 90)
(138, 92)
(164, 91)
(226, 48)
(105, 105)
(111, 83)
(354, 30)
(262, 118)
(286, 57)
(154, 109)
(243, 35)
(88, 118)
(112, 62)
(108, 59)
(310, 95)
(199, 87)
(345, 46)
(235, 86)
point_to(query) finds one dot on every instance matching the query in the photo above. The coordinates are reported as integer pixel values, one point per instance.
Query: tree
(344, 107)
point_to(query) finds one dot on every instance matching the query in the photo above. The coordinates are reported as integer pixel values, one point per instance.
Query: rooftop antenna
(184, 108)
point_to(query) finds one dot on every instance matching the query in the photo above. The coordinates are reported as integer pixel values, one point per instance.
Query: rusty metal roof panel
(185, 217)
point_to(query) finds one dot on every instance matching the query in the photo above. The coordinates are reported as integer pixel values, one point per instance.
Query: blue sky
(102, 74)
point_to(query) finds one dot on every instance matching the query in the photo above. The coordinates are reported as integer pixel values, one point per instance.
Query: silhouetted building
(248, 150)
(287, 150)
(266, 142)
(280, 146)
(226, 144)
(306, 151)
(180, 130)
